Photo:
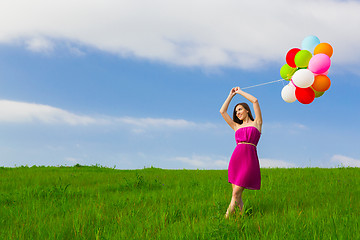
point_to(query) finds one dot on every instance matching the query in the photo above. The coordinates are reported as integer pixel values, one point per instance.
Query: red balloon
(290, 57)
(305, 95)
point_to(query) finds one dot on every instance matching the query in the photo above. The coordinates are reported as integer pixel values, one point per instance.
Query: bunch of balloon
(306, 69)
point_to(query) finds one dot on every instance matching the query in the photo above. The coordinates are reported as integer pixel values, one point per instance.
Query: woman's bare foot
(227, 214)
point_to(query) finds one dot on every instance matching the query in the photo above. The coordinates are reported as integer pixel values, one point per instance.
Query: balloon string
(263, 84)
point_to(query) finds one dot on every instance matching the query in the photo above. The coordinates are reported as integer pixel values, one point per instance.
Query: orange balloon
(321, 83)
(324, 48)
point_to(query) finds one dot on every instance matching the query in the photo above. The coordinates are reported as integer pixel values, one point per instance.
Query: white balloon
(288, 93)
(303, 78)
(292, 84)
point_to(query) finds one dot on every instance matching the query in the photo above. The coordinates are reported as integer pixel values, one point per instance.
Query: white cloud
(346, 161)
(156, 122)
(39, 44)
(286, 127)
(273, 163)
(75, 51)
(202, 162)
(73, 160)
(221, 162)
(140, 125)
(23, 112)
(207, 33)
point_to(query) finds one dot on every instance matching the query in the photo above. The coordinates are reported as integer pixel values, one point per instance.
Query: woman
(244, 169)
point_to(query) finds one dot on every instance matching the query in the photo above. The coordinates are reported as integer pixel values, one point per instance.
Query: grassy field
(102, 203)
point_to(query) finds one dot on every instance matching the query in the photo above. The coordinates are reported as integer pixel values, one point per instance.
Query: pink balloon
(319, 63)
(324, 73)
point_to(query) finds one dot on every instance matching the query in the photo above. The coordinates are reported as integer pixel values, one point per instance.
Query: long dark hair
(246, 106)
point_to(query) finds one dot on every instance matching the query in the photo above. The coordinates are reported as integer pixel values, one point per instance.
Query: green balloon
(318, 94)
(302, 58)
(286, 72)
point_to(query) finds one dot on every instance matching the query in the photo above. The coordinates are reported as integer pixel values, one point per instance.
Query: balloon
(317, 94)
(290, 57)
(305, 95)
(319, 63)
(309, 43)
(302, 58)
(292, 83)
(324, 48)
(288, 93)
(324, 73)
(321, 83)
(286, 72)
(303, 78)
(306, 70)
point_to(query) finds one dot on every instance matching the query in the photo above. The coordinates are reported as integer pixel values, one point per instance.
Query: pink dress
(244, 168)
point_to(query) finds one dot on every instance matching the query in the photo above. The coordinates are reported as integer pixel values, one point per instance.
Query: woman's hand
(233, 91)
(237, 90)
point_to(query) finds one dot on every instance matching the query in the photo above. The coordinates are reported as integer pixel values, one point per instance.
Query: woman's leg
(236, 200)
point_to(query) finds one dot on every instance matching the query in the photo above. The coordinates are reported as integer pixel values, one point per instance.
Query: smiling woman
(244, 167)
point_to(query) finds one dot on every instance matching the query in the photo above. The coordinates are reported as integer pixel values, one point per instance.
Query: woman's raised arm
(224, 108)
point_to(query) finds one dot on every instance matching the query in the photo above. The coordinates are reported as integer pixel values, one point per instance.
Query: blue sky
(126, 84)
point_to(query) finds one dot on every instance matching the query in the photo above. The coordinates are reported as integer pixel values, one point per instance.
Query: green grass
(102, 203)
